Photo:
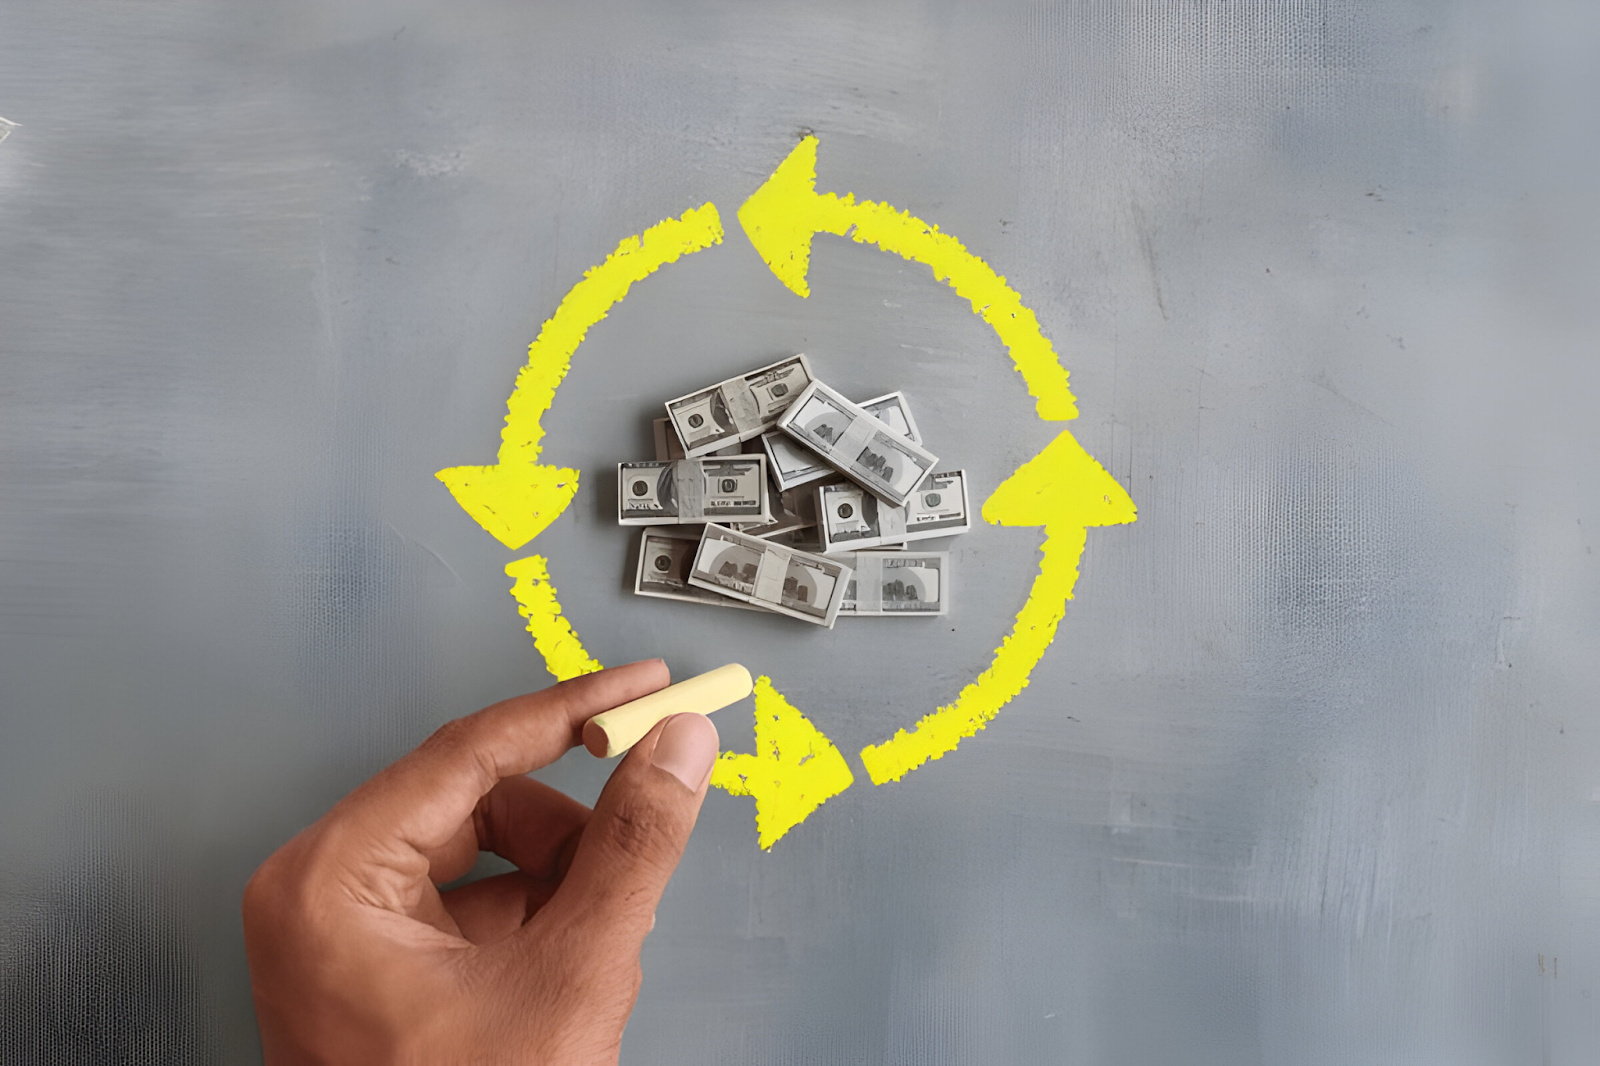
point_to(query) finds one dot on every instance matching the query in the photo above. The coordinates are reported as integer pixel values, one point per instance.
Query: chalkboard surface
(1310, 771)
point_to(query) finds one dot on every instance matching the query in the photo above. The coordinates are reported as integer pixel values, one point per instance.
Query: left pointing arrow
(517, 497)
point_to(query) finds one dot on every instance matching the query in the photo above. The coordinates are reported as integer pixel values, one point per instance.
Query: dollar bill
(856, 444)
(693, 490)
(904, 584)
(849, 518)
(668, 446)
(666, 556)
(739, 408)
(792, 463)
(798, 584)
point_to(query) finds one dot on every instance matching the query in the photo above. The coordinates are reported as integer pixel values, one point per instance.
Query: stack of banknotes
(773, 492)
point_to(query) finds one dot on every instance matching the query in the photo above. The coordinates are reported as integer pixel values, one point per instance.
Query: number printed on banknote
(693, 490)
(665, 558)
(739, 408)
(798, 584)
(904, 584)
(850, 518)
(856, 444)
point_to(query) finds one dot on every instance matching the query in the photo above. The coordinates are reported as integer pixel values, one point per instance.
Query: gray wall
(1312, 771)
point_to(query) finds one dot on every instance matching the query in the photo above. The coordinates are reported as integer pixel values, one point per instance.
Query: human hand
(356, 956)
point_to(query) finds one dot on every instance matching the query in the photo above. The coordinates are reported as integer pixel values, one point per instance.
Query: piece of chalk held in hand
(615, 731)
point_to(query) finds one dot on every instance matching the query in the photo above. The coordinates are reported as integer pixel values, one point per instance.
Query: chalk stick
(615, 731)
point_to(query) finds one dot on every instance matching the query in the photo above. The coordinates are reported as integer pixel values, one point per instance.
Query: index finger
(422, 799)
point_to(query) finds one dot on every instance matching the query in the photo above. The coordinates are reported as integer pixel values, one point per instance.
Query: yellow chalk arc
(782, 216)
(796, 767)
(516, 498)
(553, 635)
(1062, 489)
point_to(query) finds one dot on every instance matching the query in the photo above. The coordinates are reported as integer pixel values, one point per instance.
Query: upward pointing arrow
(1066, 491)
(1061, 488)
(782, 217)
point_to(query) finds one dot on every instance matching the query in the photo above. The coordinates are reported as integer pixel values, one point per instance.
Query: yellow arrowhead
(1060, 487)
(513, 501)
(782, 216)
(517, 498)
(1066, 491)
(795, 769)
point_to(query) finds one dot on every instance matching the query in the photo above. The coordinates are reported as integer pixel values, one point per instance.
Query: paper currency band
(891, 519)
(869, 583)
(856, 437)
(742, 405)
(689, 480)
(771, 571)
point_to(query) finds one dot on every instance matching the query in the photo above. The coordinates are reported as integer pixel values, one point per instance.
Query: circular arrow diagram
(795, 767)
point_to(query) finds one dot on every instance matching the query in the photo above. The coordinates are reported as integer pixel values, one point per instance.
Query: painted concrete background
(1311, 774)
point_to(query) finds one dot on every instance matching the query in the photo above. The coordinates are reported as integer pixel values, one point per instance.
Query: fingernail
(686, 749)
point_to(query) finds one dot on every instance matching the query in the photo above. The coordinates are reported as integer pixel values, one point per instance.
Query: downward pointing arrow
(513, 501)
(516, 498)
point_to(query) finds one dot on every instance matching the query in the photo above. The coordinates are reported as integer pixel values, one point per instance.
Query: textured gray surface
(1312, 771)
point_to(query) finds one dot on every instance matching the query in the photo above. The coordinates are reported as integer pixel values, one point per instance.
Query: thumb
(638, 831)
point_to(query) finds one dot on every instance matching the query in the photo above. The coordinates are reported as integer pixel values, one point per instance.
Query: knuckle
(635, 830)
(643, 836)
(448, 737)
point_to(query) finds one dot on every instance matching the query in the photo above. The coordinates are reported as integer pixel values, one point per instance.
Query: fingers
(636, 835)
(422, 800)
(521, 820)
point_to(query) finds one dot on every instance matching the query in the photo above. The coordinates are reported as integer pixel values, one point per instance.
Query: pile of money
(774, 492)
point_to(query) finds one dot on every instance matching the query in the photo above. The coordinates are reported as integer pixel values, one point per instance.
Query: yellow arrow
(795, 768)
(517, 497)
(782, 216)
(1062, 488)
(1065, 490)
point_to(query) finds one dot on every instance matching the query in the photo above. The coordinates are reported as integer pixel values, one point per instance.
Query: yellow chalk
(615, 731)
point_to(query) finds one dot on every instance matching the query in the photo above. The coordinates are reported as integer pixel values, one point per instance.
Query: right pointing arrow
(795, 768)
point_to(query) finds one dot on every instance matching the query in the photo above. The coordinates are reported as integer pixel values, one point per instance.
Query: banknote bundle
(739, 408)
(859, 445)
(774, 492)
(796, 583)
(849, 518)
(684, 491)
(792, 463)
